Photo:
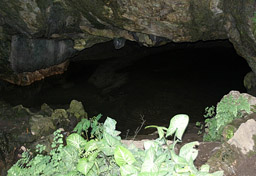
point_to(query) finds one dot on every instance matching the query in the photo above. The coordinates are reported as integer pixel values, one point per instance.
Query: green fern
(227, 110)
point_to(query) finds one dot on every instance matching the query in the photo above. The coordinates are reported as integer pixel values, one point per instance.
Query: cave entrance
(134, 82)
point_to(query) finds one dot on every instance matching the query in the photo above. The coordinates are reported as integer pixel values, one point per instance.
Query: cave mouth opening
(134, 82)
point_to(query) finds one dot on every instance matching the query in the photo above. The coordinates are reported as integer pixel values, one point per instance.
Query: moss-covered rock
(76, 108)
(60, 118)
(21, 127)
(41, 126)
(46, 110)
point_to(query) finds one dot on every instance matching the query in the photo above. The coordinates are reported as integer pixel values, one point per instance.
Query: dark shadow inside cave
(133, 82)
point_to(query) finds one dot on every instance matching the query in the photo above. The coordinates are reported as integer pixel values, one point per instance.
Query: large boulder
(244, 137)
(238, 139)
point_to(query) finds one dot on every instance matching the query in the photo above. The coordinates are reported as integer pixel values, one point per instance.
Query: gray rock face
(243, 137)
(59, 26)
(28, 55)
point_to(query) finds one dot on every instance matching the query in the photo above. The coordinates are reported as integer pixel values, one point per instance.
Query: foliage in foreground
(227, 110)
(102, 153)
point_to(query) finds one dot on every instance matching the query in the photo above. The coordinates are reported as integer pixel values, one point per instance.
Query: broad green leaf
(160, 159)
(93, 171)
(107, 150)
(86, 124)
(167, 167)
(110, 127)
(69, 152)
(123, 156)
(73, 173)
(79, 128)
(108, 144)
(76, 140)
(93, 156)
(162, 173)
(218, 173)
(111, 141)
(160, 132)
(91, 146)
(184, 170)
(69, 156)
(177, 159)
(110, 124)
(128, 170)
(178, 124)
(205, 168)
(98, 117)
(150, 144)
(84, 166)
(148, 174)
(149, 164)
(188, 151)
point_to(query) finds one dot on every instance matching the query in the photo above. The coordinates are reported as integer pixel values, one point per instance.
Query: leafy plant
(227, 110)
(209, 112)
(59, 162)
(105, 154)
(158, 160)
(83, 127)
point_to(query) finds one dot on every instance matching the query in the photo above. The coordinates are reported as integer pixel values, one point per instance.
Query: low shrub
(102, 153)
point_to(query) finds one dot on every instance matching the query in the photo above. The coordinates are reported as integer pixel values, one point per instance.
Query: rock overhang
(69, 26)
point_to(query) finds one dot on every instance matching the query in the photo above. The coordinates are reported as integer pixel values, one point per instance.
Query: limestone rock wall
(74, 25)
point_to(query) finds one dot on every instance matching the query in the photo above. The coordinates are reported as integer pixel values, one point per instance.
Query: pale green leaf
(205, 168)
(69, 156)
(111, 141)
(123, 156)
(150, 144)
(92, 157)
(73, 173)
(149, 164)
(128, 170)
(91, 146)
(218, 173)
(148, 174)
(188, 151)
(178, 125)
(105, 148)
(160, 132)
(110, 126)
(177, 159)
(84, 166)
(160, 159)
(76, 140)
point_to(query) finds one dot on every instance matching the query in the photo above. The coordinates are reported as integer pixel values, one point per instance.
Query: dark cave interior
(135, 81)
